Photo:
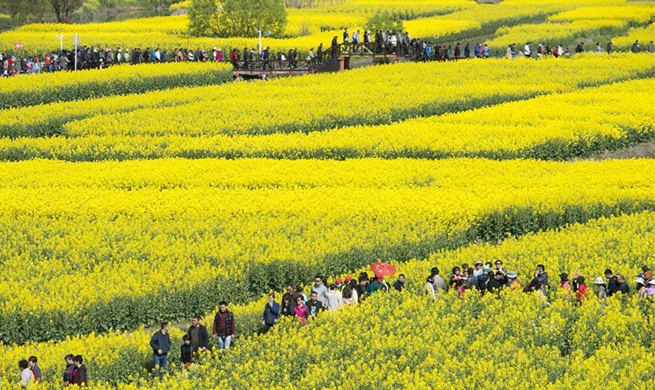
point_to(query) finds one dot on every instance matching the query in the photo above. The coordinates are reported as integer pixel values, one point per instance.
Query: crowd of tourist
(482, 277)
(380, 42)
(488, 278)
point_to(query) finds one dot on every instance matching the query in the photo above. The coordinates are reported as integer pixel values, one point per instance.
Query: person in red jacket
(224, 326)
(581, 294)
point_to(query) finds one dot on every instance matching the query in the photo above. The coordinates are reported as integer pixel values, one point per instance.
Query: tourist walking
(271, 313)
(26, 375)
(224, 326)
(186, 351)
(602, 290)
(300, 311)
(399, 285)
(333, 298)
(80, 372)
(198, 335)
(160, 344)
(36, 370)
(70, 367)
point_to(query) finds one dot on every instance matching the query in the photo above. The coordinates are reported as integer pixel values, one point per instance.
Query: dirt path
(644, 150)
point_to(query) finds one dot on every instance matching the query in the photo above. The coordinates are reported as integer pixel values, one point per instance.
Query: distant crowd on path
(426, 51)
(324, 297)
(487, 278)
(382, 42)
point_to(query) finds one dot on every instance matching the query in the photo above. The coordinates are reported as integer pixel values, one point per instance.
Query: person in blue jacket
(271, 313)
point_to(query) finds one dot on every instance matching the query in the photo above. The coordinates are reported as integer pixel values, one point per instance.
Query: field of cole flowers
(140, 194)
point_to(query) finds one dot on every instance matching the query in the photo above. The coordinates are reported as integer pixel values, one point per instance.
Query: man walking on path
(223, 326)
(271, 313)
(320, 289)
(198, 335)
(438, 283)
(160, 344)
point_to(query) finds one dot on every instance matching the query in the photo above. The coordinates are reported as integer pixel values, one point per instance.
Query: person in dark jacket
(287, 306)
(224, 326)
(623, 285)
(400, 283)
(314, 305)
(80, 374)
(186, 351)
(496, 283)
(198, 335)
(579, 48)
(271, 313)
(160, 344)
(70, 367)
(612, 285)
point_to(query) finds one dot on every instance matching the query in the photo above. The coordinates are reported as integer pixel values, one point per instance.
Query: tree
(245, 17)
(201, 15)
(237, 18)
(26, 10)
(64, 9)
(384, 21)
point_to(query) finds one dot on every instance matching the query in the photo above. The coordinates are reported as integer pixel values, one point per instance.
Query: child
(186, 351)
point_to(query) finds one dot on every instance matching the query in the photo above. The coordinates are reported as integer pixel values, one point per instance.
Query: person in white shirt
(26, 375)
(333, 298)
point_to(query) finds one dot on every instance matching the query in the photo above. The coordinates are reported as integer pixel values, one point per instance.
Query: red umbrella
(383, 269)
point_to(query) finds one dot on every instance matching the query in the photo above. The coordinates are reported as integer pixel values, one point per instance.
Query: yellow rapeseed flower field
(193, 123)
(406, 340)
(140, 194)
(558, 126)
(633, 238)
(164, 236)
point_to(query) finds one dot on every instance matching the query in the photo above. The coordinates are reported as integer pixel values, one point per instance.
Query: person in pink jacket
(301, 311)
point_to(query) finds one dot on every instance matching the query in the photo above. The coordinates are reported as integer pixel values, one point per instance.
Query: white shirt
(26, 377)
(333, 300)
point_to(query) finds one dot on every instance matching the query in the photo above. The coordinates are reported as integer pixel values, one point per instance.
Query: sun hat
(564, 276)
(599, 280)
(512, 275)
